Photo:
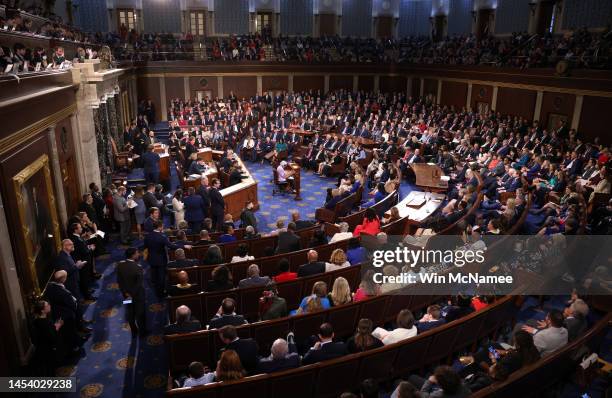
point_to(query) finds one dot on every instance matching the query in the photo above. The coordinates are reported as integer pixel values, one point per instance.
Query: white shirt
(236, 259)
(398, 334)
(282, 177)
(332, 267)
(338, 236)
(207, 378)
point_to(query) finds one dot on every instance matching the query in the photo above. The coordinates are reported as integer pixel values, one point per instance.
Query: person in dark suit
(184, 322)
(253, 278)
(149, 223)
(313, 267)
(65, 307)
(246, 349)
(300, 224)
(181, 261)
(157, 244)
(247, 217)
(203, 191)
(283, 356)
(84, 253)
(217, 204)
(130, 279)
(325, 348)
(194, 210)
(288, 241)
(150, 161)
(433, 318)
(183, 285)
(149, 198)
(65, 262)
(226, 315)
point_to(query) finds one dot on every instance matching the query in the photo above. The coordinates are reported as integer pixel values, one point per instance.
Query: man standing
(217, 204)
(82, 252)
(203, 191)
(150, 161)
(65, 262)
(130, 277)
(157, 243)
(122, 214)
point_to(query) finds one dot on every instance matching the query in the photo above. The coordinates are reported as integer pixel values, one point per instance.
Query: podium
(430, 177)
(296, 179)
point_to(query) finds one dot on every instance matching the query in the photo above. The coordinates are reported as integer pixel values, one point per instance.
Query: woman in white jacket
(178, 206)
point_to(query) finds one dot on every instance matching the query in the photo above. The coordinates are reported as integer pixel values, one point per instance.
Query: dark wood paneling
(303, 83)
(148, 88)
(557, 103)
(514, 101)
(389, 84)
(593, 119)
(337, 82)
(242, 86)
(67, 160)
(274, 83)
(454, 94)
(431, 87)
(416, 87)
(175, 88)
(327, 24)
(366, 83)
(481, 93)
(384, 26)
(203, 83)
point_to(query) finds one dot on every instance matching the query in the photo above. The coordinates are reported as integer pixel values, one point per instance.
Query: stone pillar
(186, 87)
(577, 111)
(326, 84)
(469, 97)
(494, 98)
(20, 348)
(220, 86)
(56, 174)
(120, 120)
(162, 98)
(538, 105)
(259, 85)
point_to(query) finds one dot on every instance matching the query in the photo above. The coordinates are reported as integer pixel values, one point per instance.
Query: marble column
(119, 119)
(56, 173)
(101, 145)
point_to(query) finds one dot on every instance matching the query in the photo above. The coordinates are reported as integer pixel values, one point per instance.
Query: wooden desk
(195, 182)
(237, 195)
(164, 162)
(205, 154)
(419, 213)
(429, 177)
(296, 179)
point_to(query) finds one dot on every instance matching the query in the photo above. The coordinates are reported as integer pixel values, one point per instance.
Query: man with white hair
(184, 322)
(344, 233)
(283, 175)
(283, 356)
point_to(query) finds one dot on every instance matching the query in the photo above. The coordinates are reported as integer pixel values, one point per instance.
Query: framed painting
(40, 232)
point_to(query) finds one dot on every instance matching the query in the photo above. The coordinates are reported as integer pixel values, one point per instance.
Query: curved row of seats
(256, 247)
(204, 305)
(268, 266)
(204, 345)
(331, 378)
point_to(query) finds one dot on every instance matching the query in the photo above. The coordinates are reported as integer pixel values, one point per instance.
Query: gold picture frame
(38, 218)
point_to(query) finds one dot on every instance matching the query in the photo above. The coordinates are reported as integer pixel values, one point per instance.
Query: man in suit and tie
(194, 211)
(288, 241)
(130, 279)
(65, 307)
(246, 349)
(253, 278)
(184, 322)
(149, 198)
(150, 161)
(82, 252)
(227, 315)
(181, 261)
(313, 267)
(283, 356)
(325, 348)
(300, 224)
(217, 204)
(157, 244)
(203, 191)
(122, 215)
(65, 262)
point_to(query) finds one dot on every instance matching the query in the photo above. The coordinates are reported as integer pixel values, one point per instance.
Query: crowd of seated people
(581, 47)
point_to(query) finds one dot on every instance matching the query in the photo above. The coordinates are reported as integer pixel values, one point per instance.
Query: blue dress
(140, 211)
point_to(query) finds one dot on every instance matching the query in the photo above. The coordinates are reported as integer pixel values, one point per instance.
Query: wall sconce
(533, 4)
